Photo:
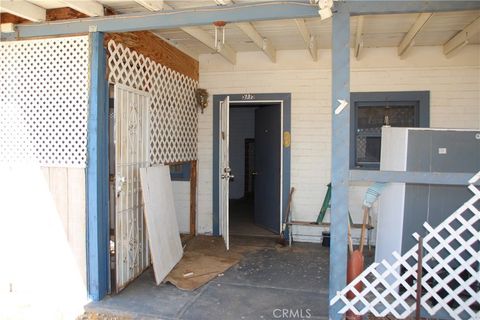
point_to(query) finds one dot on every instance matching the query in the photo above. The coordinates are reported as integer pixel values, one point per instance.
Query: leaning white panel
(44, 101)
(163, 235)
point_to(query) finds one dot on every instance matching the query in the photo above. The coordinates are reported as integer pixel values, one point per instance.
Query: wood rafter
(263, 43)
(359, 37)
(151, 5)
(24, 9)
(462, 38)
(204, 37)
(310, 40)
(88, 7)
(409, 39)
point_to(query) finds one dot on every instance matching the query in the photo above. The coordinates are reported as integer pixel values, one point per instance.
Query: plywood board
(163, 235)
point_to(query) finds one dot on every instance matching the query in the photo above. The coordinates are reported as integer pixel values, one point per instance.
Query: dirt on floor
(206, 258)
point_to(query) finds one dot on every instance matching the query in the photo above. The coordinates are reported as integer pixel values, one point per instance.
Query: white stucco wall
(454, 86)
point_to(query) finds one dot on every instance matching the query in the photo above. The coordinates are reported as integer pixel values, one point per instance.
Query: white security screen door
(131, 153)
(224, 169)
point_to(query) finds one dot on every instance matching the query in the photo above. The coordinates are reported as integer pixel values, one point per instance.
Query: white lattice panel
(451, 272)
(44, 101)
(173, 112)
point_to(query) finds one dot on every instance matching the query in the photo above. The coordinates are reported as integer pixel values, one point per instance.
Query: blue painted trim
(362, 7)
(259, 98)
(340, 154)
(97, 174)
(181, 176)
(169, 19)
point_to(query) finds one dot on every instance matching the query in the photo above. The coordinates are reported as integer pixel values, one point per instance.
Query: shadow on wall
(40, 277)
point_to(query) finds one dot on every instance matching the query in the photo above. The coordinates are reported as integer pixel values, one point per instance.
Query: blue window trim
(254, 97)
(420, 98)
(184, 175)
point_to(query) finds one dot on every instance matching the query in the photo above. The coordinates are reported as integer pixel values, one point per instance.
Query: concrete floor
(268, 280)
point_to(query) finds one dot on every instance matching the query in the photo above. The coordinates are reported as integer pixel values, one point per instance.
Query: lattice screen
(44, 101)
(173, 122)
(451, 272)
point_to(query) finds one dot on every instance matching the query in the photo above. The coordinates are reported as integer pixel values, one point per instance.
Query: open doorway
(255, 162)
(252, 161)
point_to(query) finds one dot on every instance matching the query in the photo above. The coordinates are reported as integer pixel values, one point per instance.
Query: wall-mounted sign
(287, 140)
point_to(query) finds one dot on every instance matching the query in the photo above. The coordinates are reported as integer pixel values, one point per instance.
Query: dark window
(371, 111)
(180, 172)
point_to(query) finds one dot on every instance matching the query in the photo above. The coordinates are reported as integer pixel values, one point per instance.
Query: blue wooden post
(97, 173)
(340, 152)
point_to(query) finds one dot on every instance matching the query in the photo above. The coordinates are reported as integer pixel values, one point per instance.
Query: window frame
(421, 100)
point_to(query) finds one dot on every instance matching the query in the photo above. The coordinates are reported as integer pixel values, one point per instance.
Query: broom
(356, 260)
(282, 240)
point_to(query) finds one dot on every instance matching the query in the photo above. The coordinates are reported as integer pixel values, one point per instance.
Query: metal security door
(225, 171)
(131, 153)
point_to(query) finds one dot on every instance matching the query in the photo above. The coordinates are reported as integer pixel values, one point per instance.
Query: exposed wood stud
(156, 5)
(461, 39)
(88, 7)
(193, 198)
(310, 40)
(261, 42)
(409, 39)
(359, 37)
(24, 10)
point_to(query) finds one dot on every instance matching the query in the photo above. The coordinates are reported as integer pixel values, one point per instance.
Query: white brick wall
(454, 86)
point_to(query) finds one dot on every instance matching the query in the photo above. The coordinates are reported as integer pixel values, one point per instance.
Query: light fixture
(219, 25)
(325, 11)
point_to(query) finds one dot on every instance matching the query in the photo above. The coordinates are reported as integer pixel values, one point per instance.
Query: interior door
(267, 167)
(131, 153)
(225, 172)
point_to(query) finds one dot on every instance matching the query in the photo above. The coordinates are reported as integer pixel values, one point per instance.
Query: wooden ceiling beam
(358, 37)
(89, 7)
(263, 43)
(24, 9)
(461, 39)
(409, 39)
(204, 37)
(310, 40)
(152, 5)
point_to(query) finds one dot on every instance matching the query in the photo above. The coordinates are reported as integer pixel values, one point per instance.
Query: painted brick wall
(454, 86)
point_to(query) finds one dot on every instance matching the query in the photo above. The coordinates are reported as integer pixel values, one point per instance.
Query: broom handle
(350, 244)
(288, 207)
(364, 226)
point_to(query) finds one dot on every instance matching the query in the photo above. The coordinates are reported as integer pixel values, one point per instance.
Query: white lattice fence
(451, 274)
(173, 112)
(44, 101)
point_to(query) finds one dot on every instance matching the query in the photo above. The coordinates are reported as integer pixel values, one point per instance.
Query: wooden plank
(163, 235)
(193, 198)
(59, 191)
(158, 50)
(409, 38)
(461, 39)
(88, 7)
(77, 218)
(24, 9)
(325, 224)
(310, 40)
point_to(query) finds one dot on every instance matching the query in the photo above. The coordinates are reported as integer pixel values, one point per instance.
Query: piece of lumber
(325, 224)
(161, 220)
(193, 198)
(310, 40)
(408, 39)
(24, 9)
(359, 37)
(263, 43)
(89, 7)
(152, 5)
(461, 39)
